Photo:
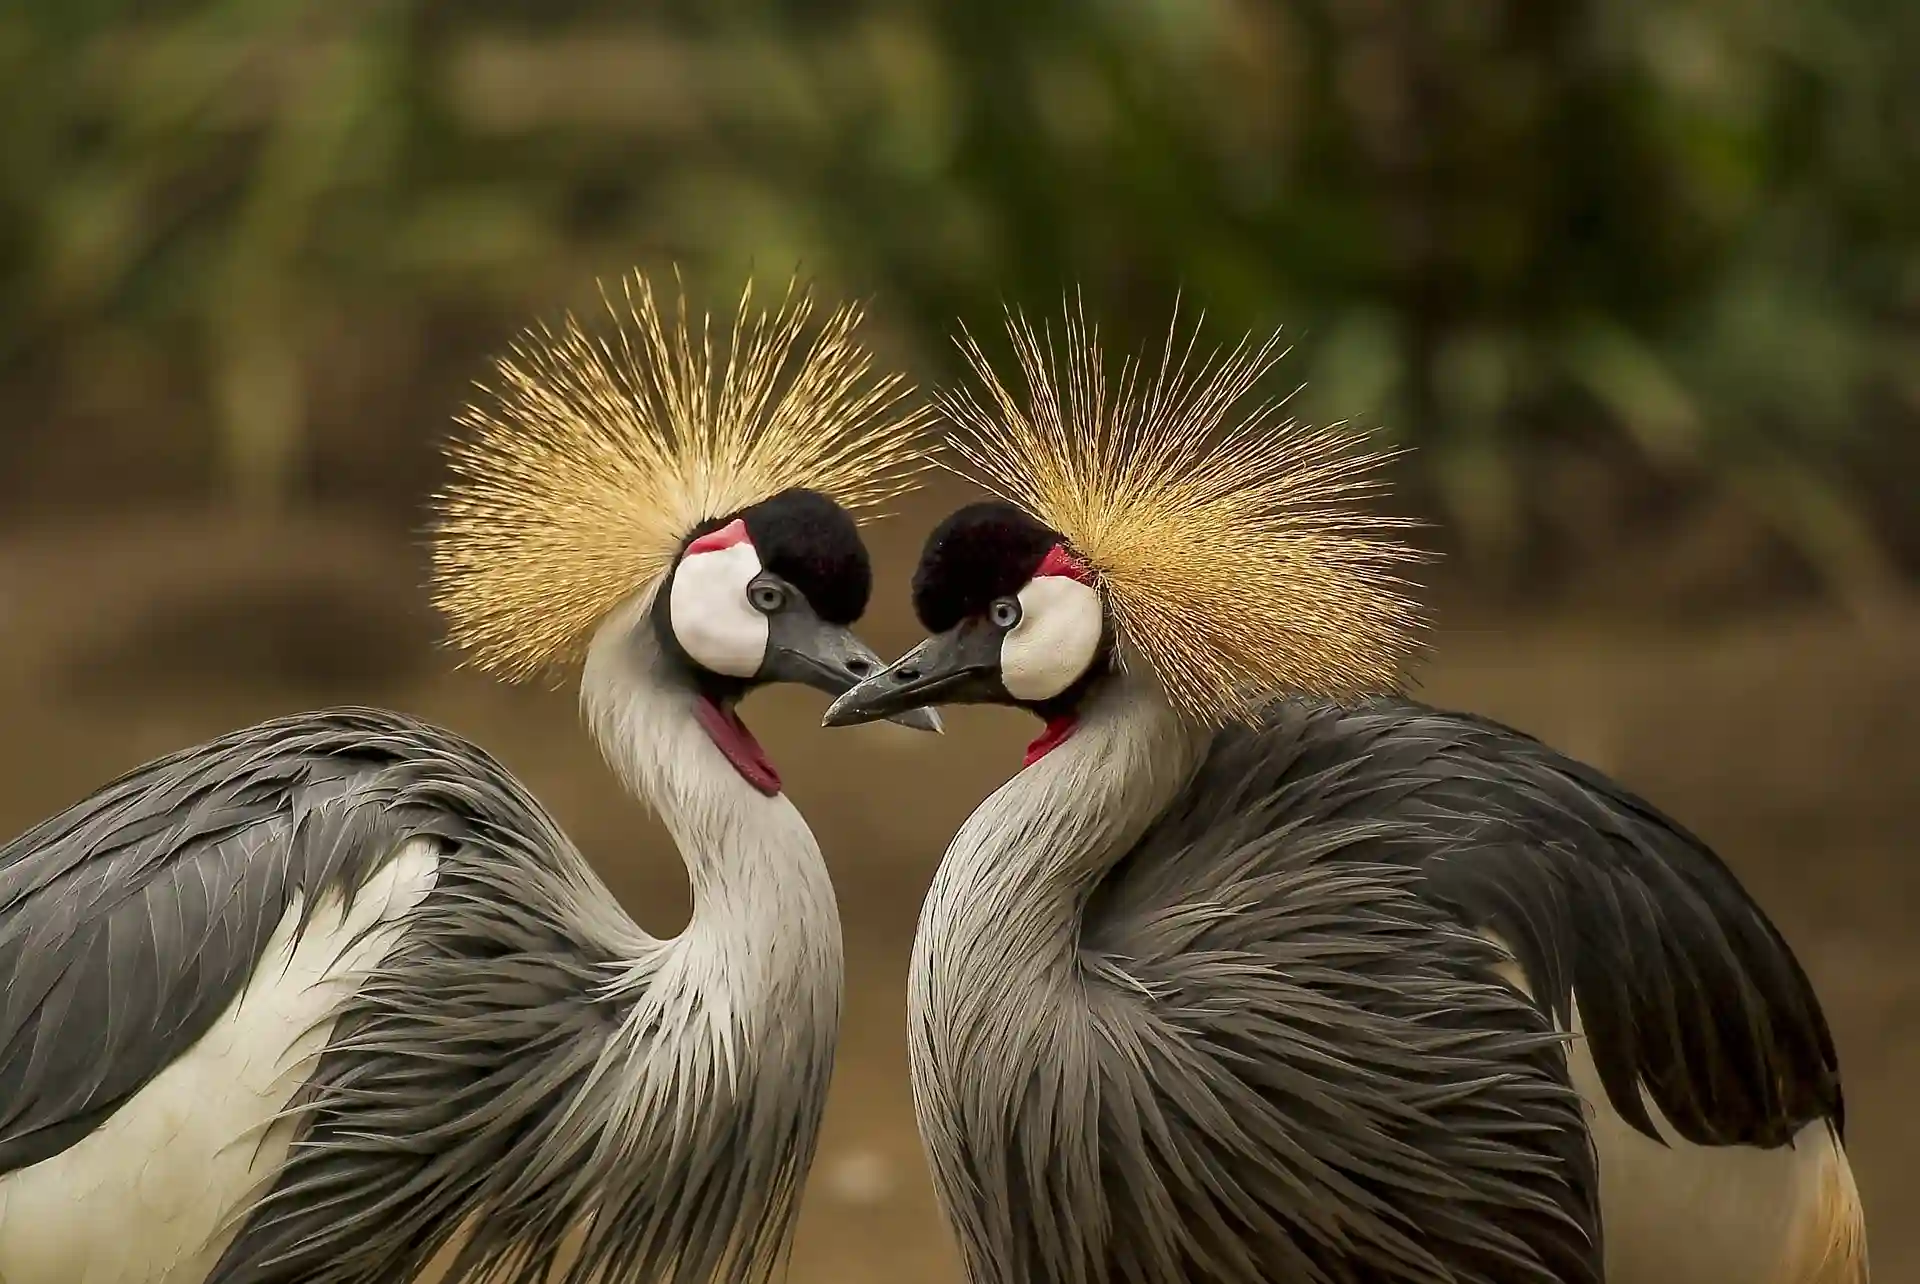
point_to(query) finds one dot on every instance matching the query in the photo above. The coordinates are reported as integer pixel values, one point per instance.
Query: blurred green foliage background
(1639, 278)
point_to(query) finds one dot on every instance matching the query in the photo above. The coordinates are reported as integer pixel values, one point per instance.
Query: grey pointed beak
(827, 657)
(960, 666)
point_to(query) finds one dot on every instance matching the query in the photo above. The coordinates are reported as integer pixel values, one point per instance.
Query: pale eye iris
(767, 598)
(1005, 612)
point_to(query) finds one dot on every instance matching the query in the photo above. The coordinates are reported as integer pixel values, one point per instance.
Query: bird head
(1016, 617)
(636, 481)
(1168, 522)
(770, 595)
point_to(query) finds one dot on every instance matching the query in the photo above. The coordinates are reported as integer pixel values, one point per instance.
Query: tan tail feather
(1834, 1249)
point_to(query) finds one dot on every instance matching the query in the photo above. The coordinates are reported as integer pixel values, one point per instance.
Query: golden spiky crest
(1227, 538)
(596, 456)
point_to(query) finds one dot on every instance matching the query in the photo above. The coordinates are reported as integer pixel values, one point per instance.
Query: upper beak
(960, 666)
(830, 658)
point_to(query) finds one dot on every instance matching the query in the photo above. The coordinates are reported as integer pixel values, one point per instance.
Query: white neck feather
(1017, 876)
(996, 977)
(763, 944)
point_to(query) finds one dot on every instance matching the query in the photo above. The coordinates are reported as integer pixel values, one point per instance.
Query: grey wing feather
(1683, 984)
(1329, 1067)
(131, 920)
(127, 924)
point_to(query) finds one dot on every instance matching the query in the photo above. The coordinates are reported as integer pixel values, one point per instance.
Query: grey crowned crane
(1260, 970)
(307, 1001)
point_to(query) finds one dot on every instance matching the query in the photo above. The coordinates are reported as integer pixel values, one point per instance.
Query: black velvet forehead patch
(812, 543)
(984, 551)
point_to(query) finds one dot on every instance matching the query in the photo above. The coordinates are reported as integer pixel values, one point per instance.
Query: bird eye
(766, 598)
(1005, 612)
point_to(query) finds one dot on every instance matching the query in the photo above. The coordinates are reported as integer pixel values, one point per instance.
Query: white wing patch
(154, 1195)
(710, 613)
(1056, 639)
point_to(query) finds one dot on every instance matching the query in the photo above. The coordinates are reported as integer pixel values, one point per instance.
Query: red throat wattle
(1056, 734)
(730, 735)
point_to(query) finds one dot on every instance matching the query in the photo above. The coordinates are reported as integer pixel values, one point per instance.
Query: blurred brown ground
(1785, 739)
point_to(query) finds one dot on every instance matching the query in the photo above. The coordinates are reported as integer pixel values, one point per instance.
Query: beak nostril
(906, 675)
(859, 667)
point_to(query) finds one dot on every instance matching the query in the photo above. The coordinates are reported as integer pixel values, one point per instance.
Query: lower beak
(942, 670)
(923, 719)
(835, 661)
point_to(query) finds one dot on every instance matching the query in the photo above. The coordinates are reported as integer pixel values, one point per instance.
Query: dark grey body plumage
(1684, 985)
(1298, 1053)
(131, 920)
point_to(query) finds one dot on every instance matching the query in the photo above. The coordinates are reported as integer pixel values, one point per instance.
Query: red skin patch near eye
(731, 737)
(734, 532)
(1059, 561)
(1056, 734)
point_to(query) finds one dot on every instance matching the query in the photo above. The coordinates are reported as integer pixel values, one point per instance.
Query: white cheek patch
(710, 614)
(1056, 639)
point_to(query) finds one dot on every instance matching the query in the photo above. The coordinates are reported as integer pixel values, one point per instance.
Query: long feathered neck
(1054, 830)
(763, 905)
(1016, 878)
(717, 1075)
(998, 977)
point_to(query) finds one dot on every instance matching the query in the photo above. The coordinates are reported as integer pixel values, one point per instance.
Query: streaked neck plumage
(720, 1066)
(765, 927)
(1031, 854)
(998, 981)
